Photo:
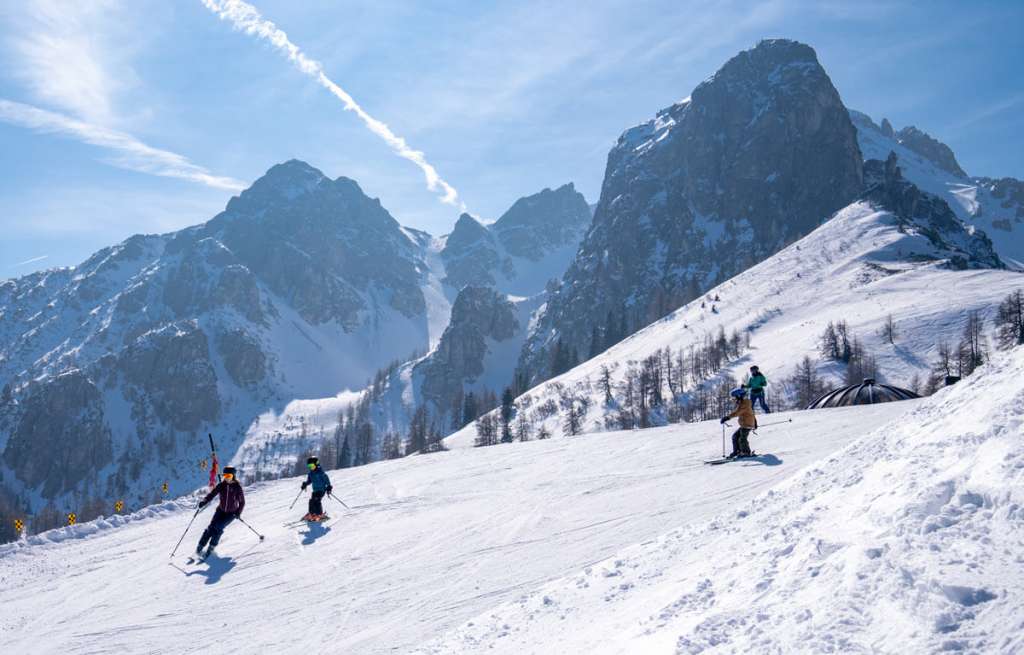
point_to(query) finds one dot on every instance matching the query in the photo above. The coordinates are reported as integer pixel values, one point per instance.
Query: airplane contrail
(248, 19)
(30, 261)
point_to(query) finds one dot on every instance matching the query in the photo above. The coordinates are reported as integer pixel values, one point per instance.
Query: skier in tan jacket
(745, 412)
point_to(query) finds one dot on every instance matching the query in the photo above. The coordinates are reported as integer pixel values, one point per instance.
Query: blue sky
(121, 117)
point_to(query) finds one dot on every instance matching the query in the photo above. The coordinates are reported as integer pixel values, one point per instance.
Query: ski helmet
(315, 461)
(754, 369)
(230, 470)
(738, 392)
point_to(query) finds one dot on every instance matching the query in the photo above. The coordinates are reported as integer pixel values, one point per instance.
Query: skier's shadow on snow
(315, 531)
(215, 569)
(762, 460)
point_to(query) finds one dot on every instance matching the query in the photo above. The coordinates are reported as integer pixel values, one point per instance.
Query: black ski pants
(316, 504)
(212, 533)
(740, 445)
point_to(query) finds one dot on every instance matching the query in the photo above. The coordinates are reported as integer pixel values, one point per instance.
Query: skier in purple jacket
(232, 502)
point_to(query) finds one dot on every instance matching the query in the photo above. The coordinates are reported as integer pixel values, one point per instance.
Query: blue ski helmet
(738, 392)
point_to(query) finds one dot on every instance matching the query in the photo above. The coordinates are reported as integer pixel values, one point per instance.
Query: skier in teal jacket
(756, 384)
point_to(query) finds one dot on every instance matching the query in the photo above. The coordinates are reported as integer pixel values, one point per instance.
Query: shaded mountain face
(531, 242)
(757, 157)
(114, 370)
(480, 316)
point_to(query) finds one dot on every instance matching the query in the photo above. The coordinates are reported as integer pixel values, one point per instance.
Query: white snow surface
(430, 542)
(910, 540)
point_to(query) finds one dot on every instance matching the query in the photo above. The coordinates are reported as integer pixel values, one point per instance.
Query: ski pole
(723, 440)
(199, 509)
(340, 501)
(764, 425)
(296, 498)
(251, 528)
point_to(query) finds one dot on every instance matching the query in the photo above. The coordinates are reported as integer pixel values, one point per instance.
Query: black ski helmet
(231, 470)
(313, 460)
(755, 369)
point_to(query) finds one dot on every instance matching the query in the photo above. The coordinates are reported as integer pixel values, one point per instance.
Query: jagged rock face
(932, 149)
(757, 157)
(61, 437)
(887, 128)
(536, 224)
(174, 378)
(243, 358)
(470, 255)
(928, 215)
(479, 314)
(320, 244)
(533, 228)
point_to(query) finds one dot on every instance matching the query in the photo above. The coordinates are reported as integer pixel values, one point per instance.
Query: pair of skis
(726, 460)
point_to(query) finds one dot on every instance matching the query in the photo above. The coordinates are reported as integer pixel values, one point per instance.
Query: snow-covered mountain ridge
(995, 206)
(302, 288)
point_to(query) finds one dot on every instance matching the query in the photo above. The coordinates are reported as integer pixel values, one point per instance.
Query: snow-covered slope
(860, 266)
(430, 542)
(908, 541)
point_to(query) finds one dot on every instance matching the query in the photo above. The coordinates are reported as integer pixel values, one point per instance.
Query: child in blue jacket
(321, 486)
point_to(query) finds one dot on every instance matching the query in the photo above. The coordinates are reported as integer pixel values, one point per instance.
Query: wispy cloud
(988, 112)
(129, 152)
(248, 19)
(30, 261)
(63, 58)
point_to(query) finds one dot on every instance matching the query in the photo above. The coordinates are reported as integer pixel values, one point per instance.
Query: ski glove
(725, 419)
(202, 504)
(328, 490)
(304, 485)
(238, 514)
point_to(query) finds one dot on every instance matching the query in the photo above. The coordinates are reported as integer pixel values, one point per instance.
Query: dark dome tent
(866, 393)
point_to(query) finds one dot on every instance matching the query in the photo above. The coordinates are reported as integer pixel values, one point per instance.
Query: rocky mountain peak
(758, 155)
(551, 218)
(934, 150)
(467, 231)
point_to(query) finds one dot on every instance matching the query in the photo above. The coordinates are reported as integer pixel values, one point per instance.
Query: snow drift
(908, 541)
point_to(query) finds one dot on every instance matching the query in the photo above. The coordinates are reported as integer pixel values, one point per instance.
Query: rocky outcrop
(243, 358)
(60, 438)
(927, 215)
(930, 148)
(172, 380)
(479, 315)
(470, 254)
(757, 157)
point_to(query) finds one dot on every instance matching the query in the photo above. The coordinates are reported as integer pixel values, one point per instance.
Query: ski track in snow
(429, 543)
